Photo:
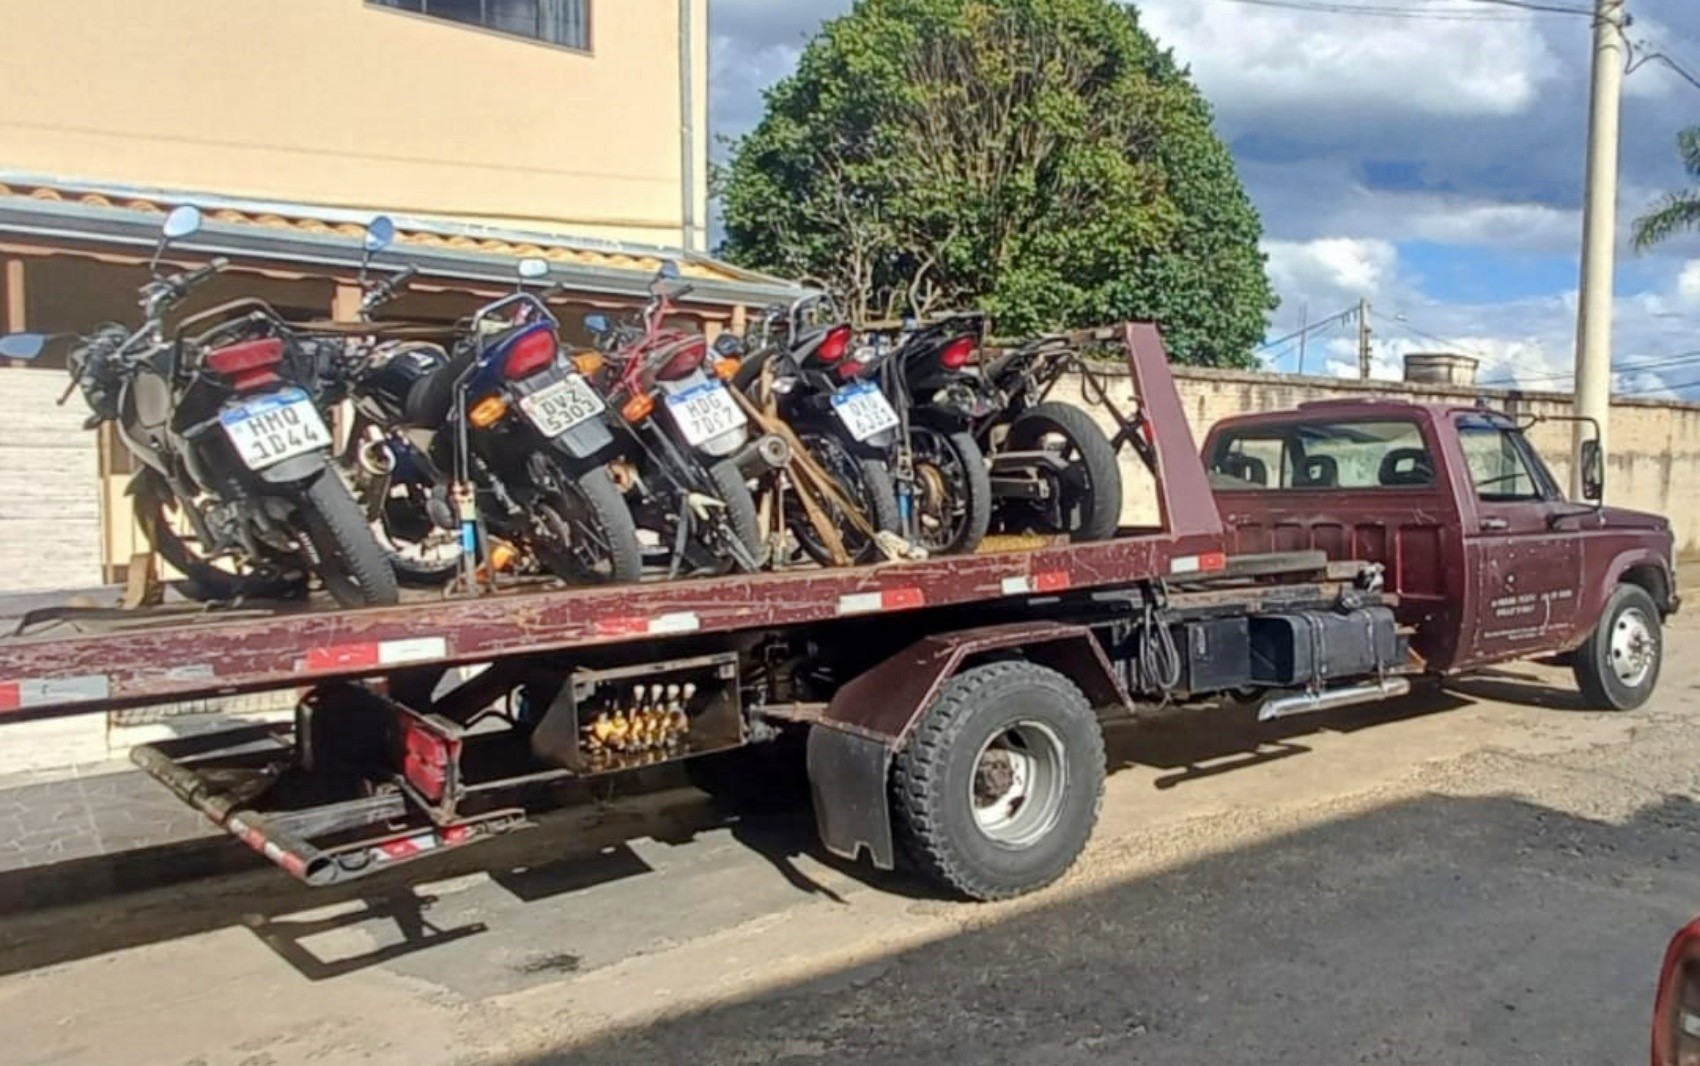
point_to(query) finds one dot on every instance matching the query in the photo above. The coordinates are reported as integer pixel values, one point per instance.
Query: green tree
(1679, 211)
(1042, 160)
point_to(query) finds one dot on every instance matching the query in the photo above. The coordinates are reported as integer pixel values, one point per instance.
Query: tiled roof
(438, 234)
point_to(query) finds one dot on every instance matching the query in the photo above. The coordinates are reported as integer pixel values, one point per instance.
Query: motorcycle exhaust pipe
(375, 458)
(766, 453)
(1329, 699)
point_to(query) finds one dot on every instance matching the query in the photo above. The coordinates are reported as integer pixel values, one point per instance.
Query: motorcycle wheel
(202, 581)
(587, 533)
(354, 568)
(864, 482)
(740, 520)
(1089, 493)
(403, 526)
(953, 490)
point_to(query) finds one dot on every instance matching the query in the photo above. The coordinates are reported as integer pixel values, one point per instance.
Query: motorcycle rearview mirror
(380, 234)
(181, 222)
(23, 345)
(729, 346)
(669, 272)
(597, 323)
(531, 269)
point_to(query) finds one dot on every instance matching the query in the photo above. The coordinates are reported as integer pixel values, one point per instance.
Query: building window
(562, 22)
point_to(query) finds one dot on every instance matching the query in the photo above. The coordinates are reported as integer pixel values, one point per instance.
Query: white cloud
(1305, 63)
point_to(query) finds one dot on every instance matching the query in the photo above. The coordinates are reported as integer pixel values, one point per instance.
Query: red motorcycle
(687, 457)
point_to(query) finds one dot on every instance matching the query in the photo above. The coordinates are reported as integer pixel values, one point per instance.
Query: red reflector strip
(377, 653)
(49, 692)
(1205, 563)
(901, 599)
(1044, 581)
(660, 625)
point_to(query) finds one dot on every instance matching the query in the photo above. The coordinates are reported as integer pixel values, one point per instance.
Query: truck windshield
(1321, 454)
(1502, 465)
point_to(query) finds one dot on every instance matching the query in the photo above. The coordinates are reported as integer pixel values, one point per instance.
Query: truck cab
(1488, 558)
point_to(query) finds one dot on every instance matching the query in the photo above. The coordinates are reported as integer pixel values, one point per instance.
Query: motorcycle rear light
(837, 342)
(638, 408)
(488, 411)
(692, 351)
(533, 352)
(957, 353)
(250, 355)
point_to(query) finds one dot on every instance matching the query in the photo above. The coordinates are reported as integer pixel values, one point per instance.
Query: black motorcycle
(1053, 470)
(503, 437)
(237, 490)
(805, 367)
(944, 486)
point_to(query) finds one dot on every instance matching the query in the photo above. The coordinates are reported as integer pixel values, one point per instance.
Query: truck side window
(1501, 464)
(1324, 455)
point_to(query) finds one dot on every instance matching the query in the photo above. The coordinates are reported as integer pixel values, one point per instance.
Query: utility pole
(1363, 340)
(1304, 328)
(1599, 232)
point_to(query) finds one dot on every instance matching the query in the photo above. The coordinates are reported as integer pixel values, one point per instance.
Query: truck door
(1524, 574)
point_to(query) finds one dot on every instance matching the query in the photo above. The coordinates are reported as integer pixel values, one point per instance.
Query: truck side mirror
(1593, 472)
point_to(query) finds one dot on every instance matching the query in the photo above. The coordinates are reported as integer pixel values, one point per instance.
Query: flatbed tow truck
(947, 710)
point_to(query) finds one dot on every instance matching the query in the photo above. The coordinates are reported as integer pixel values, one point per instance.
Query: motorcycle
(684, 460)
(944, 487)
(1053, 470)
(237, 490)
(809, 374)
(502, 437)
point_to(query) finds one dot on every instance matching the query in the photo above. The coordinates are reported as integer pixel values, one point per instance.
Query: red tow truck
(948, 710)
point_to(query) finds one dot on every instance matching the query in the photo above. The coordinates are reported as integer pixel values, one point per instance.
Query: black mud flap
(847, 777)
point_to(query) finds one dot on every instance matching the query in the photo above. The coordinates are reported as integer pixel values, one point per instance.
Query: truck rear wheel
(997, 790)
(1617, 667)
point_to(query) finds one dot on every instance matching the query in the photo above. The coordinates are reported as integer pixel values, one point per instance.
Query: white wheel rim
(1633, 648)
(1016, 790)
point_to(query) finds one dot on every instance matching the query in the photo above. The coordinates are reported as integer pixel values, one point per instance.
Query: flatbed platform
(180, 653)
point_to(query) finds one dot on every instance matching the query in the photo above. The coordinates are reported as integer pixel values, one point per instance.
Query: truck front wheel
(997, 790)
(1617, 667)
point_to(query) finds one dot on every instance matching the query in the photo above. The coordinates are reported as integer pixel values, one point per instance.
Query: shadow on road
(1440, 930)
(75, 910)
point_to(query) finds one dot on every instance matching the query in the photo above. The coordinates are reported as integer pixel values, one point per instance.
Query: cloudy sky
(1432, 165)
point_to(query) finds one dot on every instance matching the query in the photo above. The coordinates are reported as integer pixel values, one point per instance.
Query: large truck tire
(997, 790)
(1617, 667)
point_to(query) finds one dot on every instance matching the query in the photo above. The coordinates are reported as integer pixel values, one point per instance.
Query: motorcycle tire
(402, 525)
(950, 467)
(591, 508)
(354, 567)
(865, 483)
(1092, 489)
(741, 519)
(202, 581)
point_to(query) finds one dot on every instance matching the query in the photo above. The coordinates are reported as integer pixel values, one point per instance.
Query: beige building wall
(1654, 466)
(347, 104)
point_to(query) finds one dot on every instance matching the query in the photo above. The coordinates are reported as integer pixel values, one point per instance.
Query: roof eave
(70, 221)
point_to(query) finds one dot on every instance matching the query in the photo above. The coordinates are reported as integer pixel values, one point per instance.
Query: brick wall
(49, 481)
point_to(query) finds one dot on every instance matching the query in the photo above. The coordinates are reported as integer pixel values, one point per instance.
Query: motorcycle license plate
(703, 412)
(269, 429)
(864, 410)
(556, 408)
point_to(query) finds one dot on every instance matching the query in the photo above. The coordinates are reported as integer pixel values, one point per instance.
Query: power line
(1339, 7)
(1681, 359)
